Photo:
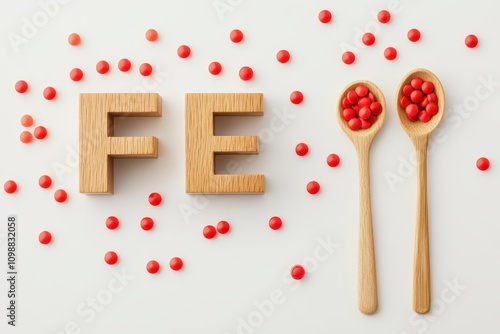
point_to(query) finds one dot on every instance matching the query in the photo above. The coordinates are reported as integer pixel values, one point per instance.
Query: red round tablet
(483, 163)
(111, 258)
(74, 39)
(151, 35)
(60, 195)
(45, 237)
(21, 86)
(215, 68)
(176, 263)
(26, 137)
(45, 181)
(10, 187)
(246, 73)
(368, 39)
(301, 149)
(413, 35)
(283, 56)
(102, 67)
(49, 93)
(209, 231)
(325, 16)
(333, 160)
(275, 223)
(183, 51)
(236, 36)
(390, 53)
(313, 187)
(297, 272)
(147, 223)
(40, 132)
(223, 227)
(384, 16)
(471, 41)
(76, 74)
(154, 199)
(124, 65)
(296, 97)
(348, 57)
(152, 267)
(26, 121)
(146, 69)
(112, 222)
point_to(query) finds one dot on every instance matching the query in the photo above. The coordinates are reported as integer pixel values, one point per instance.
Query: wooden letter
(202, 145)
(98, 147)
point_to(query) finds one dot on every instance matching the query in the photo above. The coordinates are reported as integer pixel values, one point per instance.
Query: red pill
(49, 93)
(416, 96)
(416, 83)
(432, 98)
(154, 199)
(283, 56)
(214, 68)
(26, 137)
(365, 124)
(74, 39)
(354, 124)
(45, 181)
(482, 163)
(431, 108)
(413, 35)
(364, 102)
(145, 69)
(10, 187)
(147, 223)
(346, 103)
(40, 132)
(348, 114)
(209, 231)
(112, 222)
(26, 121)
(296, 97)
(407, 90)
(152, 267)
(246, 73)
(60, 195)
(352, 97)
(348, 57)
(183, 51)
(371, 96)
(361, 90)
(102, 67)
(368, 39)
(364, 113)
(176, 263)
(45, 237)
(333, 160)
(313, 187)
(236, 36)
(111, 258)
(21, 86)
(412, 110)
(275, 223)
(404, 102)
(384, 16)
(301, 149)
(223, 227)
(427, 87)
(76, 74)
(471, 41)
(372, 119)
(325, 16)
(297, 272)
(376, 108)
(390, 53)
(151, 35)
(423, 116)
(424, 102)
(124, 65)
(356, 108)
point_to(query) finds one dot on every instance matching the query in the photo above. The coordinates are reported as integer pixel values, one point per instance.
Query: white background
(224, 277)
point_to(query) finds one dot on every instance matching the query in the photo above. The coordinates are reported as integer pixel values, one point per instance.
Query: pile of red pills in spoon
(419, 100)
(360, 108)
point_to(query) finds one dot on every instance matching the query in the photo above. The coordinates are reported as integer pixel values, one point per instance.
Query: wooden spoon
(419, 133)
(362, 140)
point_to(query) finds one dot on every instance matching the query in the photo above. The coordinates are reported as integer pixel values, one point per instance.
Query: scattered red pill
(297, 272)
(214, 68)
(283, 56)
(111, 258)
(152, 267)
(333, 160)
(76, 74)
(60, 195)
(390, 53)
(146, 69)
(471, 41)
(482, 163)
(413, 35)
(26, 137)
(325, 16)
(348, 57)
(275, 223)
(49, 93)
(313, 187)
(21, 86)
(183, 51)
(45, 181)
(10, 187)
(176, 263)
(26, 121)
(74, 39)
(223, 227)
(147, 223)
(296, 97)
(368, 39)
(124, 65)
(45, 237)
(151, 35)
(112, 222)
(209, 231)
(246, 73)
(102, 67)
(384, 16)
(301, 149)
(154, 199)
(40, 132)
(236, 36)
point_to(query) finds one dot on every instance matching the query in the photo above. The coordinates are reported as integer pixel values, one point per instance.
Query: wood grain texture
(362, 140)
(202, 145)
(419, 134)
(98, 147)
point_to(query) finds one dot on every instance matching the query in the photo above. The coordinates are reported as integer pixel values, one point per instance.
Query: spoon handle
(421, 267)
(367, 278)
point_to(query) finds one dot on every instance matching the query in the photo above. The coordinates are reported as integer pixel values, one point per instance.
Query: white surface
(224, 277)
